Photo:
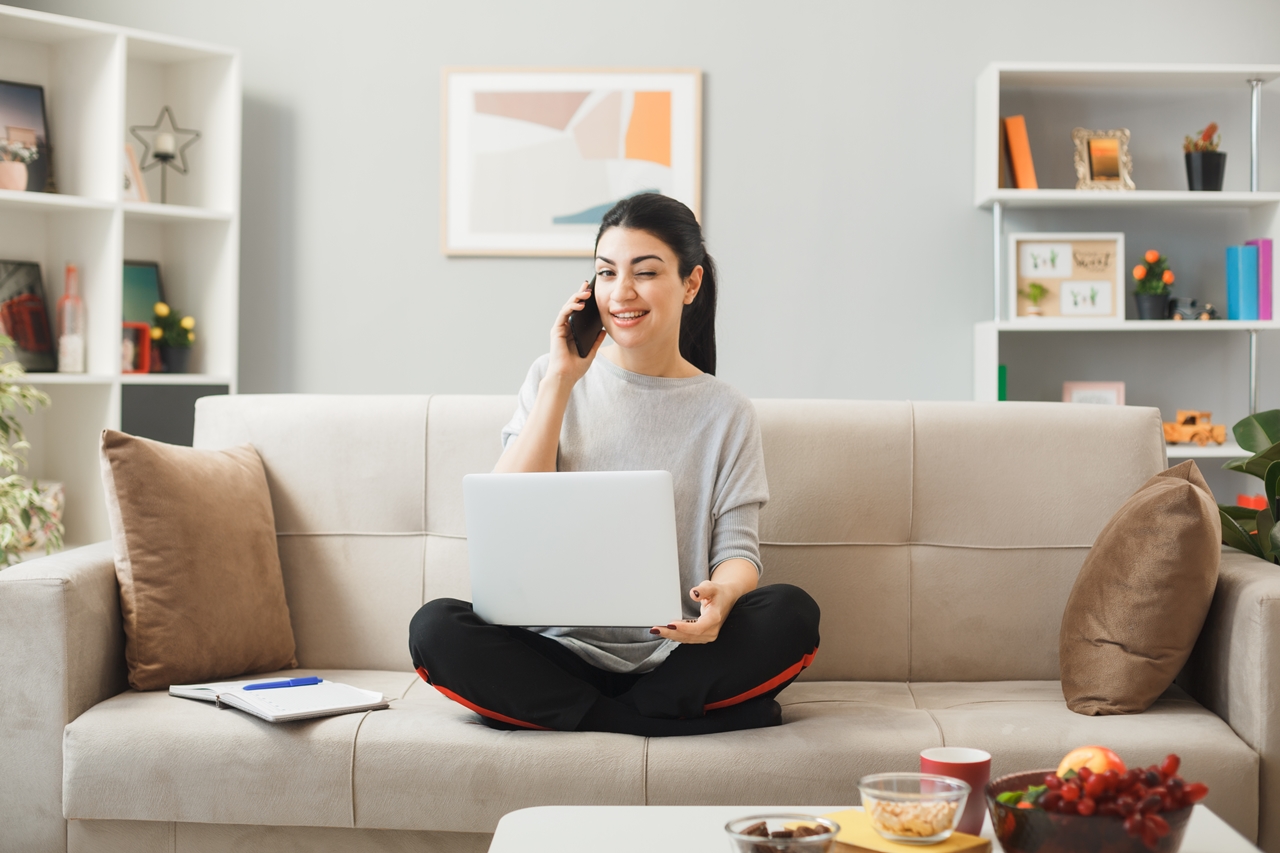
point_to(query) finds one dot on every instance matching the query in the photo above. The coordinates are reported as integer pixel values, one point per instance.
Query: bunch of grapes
(1138, 796)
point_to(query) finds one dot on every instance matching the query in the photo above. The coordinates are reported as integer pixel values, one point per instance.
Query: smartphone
(585, 325)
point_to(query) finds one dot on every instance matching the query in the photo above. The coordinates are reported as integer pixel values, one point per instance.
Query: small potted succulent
(14, 157)
(1205, 163)
(173, 338)
(1034, 293)
(1153, 278)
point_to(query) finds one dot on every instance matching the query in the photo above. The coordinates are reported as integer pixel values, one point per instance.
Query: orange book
(1024, 171)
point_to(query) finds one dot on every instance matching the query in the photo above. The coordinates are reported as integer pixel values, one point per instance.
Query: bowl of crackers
(913, 808)
(782, 833)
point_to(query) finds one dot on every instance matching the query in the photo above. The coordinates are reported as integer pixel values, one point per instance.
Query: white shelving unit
(99, 80)
(1079, 92)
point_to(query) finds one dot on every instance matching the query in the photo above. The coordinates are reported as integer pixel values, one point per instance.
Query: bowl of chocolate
(774, 833)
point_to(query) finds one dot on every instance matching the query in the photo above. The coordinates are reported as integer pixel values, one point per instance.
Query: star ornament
(164, 141)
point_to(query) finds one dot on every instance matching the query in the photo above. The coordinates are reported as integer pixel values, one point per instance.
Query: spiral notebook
(284, 704)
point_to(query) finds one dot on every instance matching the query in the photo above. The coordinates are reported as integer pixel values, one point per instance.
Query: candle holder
(161, 147)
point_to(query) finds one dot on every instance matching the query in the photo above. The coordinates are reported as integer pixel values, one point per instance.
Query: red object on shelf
(1251, 501)
(143, 343)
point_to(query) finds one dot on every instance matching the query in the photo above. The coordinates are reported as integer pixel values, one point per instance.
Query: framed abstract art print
(533, 158)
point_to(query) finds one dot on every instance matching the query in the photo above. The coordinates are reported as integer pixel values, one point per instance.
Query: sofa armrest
(63, 645)
(1234, 670)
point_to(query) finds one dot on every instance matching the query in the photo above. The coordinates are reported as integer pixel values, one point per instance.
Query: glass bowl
(744, 842)
(913, 808)
(1039, 831)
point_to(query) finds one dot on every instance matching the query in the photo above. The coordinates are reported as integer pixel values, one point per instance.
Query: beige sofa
(940, 539)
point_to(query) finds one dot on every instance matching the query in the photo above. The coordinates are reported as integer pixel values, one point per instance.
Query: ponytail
(698, 322)
(674, 224)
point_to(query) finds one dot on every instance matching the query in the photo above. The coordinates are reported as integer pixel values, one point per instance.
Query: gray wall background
(838, 172)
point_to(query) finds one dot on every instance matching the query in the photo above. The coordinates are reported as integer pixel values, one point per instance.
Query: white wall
(838, 176)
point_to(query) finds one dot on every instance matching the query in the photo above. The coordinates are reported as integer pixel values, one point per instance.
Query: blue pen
(292, 682)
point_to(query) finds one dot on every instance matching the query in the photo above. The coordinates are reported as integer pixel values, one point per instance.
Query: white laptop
(591, 548)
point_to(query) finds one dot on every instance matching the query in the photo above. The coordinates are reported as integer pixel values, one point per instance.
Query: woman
(651, 402)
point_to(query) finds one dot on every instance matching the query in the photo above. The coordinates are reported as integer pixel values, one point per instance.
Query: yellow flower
(191, 336)
(156, 333)
(188, 323)
(161, 309)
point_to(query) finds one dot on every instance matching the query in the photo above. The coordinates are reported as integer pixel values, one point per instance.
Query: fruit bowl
(1040, 831)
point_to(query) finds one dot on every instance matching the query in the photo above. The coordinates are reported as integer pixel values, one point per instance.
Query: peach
(1099, 759)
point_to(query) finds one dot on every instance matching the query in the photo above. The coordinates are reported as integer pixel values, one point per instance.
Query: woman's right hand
(566, 365)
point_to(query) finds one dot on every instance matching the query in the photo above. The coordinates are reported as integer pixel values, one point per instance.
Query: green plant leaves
(1257, 464)
(1268, 536)
(1258, 432)
(1234, 535)
(1272, 483)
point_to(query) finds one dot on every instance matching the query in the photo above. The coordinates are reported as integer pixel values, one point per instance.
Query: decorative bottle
(71, 325)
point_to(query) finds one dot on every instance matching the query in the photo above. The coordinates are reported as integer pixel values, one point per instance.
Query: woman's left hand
(716, 597)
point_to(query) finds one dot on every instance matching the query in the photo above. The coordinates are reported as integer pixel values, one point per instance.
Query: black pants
(524, 679)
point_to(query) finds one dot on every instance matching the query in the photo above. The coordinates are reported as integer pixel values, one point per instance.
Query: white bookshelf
(99, 80)
(1165, 101)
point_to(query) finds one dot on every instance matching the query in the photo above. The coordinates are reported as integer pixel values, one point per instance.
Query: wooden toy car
(1194, 426)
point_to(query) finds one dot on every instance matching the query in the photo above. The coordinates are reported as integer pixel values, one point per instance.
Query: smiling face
(640, 292)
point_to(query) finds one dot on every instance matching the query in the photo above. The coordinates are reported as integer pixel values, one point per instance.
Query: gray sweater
(701, 430)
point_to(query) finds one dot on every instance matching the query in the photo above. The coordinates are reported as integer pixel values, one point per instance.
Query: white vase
(13, 175)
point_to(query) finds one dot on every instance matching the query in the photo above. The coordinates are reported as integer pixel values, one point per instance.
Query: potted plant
(1251, 530)
(173, 338)
(1153, 278)
(14, 157)
(1034, 293)
(1205, 163)
(30, 513)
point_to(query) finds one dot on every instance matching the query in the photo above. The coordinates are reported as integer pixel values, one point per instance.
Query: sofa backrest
(940, 539)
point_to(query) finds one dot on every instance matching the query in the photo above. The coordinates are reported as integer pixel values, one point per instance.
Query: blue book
(1242, 282)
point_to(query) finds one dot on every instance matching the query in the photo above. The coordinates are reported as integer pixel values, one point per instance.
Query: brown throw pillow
(195, 551)
(1142, 596)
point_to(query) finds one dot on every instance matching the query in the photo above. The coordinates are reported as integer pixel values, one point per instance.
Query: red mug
(968, 765)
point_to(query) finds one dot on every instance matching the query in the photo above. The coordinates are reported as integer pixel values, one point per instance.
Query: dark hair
(674, 224)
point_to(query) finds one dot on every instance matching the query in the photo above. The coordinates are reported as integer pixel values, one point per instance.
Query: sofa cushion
(195, 553)
(429, 763)
(1142, 596)
(152, 756)
(833, 733)
(1025, 726)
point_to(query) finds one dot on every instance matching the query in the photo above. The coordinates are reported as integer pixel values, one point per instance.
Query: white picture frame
(1097, 393)
(1075, 273)
(532, 157)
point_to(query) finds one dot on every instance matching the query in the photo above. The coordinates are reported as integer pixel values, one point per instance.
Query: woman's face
(639, 289)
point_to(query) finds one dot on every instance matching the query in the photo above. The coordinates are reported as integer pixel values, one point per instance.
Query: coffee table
(700, 829)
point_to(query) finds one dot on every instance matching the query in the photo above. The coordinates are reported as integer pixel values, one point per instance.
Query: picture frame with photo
(24, 316)
(133, 188)
(1081, 275)
(1098, 393)
(1102, 159)
(534, 157)
(24, 134)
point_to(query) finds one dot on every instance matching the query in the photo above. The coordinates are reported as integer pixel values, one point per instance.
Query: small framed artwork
(133, 187)
(24, 317)
(1098, 393)
(25, 139)
(135, 348)
(1102, 159)
(534, 158)
(1071, 276)
(142, 290)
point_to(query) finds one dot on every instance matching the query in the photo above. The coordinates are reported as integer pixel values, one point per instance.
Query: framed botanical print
(533, 158)
(1066, 276)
